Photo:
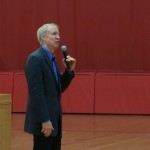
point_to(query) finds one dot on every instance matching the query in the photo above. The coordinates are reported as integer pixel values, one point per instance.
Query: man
(45, 84)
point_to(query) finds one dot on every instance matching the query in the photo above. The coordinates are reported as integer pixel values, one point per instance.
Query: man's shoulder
(37, 53)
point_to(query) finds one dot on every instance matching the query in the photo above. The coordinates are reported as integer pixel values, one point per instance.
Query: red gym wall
(104, 35)
(109, 38)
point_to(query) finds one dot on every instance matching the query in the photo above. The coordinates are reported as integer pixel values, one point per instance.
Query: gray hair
(43, 29)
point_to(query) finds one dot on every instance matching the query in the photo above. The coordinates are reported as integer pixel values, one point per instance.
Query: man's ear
(43, 36)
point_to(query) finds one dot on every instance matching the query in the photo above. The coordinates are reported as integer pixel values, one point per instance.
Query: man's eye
(54, 33)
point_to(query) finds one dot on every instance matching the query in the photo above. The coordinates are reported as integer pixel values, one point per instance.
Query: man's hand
(47, 128)
(72, 62)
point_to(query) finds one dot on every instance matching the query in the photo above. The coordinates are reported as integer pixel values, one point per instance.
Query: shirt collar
(50, 54)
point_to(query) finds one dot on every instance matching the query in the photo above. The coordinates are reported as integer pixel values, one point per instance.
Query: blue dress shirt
(52, 59)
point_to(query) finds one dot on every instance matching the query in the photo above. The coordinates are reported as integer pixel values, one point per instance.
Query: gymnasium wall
(109, 38)
(89, 92)
(103, 35)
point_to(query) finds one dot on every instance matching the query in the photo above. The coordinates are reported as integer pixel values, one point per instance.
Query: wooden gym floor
(92, 132)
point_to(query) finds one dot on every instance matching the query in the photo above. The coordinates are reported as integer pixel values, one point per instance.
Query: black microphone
(64, 50)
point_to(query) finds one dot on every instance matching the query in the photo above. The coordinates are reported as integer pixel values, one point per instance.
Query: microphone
(64, 50)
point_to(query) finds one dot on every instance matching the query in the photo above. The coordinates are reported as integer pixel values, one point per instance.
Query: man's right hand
(47, 128)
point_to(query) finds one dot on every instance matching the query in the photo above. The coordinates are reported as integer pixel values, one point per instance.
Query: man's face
(51, 38)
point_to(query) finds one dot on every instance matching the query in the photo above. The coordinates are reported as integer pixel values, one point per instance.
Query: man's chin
(57, 46)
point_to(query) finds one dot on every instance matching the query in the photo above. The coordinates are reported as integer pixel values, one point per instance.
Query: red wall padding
(113, 93)
(19, 93)
(79, 97)
(122, 93)
(6, 82)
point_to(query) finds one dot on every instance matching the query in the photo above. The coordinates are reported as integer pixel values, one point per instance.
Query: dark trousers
(46, 143)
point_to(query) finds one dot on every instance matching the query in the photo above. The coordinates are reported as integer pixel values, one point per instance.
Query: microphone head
(64, 48)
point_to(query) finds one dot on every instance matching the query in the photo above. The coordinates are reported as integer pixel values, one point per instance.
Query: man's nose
(57, 36)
